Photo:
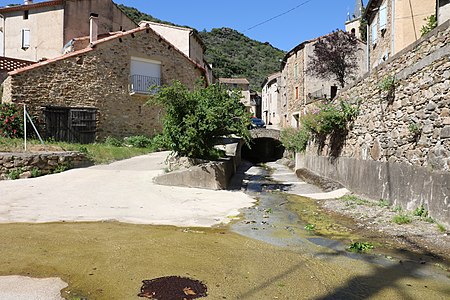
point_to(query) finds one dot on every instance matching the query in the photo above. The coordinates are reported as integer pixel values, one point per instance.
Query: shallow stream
(275, 220)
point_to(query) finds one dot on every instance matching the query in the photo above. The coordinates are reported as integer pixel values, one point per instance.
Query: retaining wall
(27, 165)
(381, 156)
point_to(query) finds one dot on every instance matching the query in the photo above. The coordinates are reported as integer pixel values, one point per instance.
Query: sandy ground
(20, 288)
(122, 191)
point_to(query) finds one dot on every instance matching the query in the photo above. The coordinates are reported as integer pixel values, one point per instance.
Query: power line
(277, 16)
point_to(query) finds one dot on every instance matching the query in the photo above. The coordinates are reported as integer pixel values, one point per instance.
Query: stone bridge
(265, 133)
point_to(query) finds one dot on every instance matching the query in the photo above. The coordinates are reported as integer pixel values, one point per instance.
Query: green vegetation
(401, 219)
(138, 16)
(35, 172)
(294, 140)
(354, 200)
(196, 120)
(383, 203)
(327, 118)
(387, 84)
(310, 227)
(11, 121)
(99, 153)
(15, 173)
(414, 129)
(138, 141)
(360, 247)
(430, 25)
(233, 54)
(441, 228)
(420, 212)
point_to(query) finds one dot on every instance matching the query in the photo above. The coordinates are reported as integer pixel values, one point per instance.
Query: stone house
(243, 85)
(101, 90)
(271, 104)
(393, 25)
(186, 40)
(36, 31)
(298, 88)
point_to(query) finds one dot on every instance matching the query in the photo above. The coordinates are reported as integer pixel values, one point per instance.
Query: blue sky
(313, 19)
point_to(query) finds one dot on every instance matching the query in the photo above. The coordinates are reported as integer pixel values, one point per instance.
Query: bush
(401, 219)
(112, 141)
(138, 141)
(11, 121)
(159, 143)
(329, 117)
(294, 140)
(195, 121)
(430, 25)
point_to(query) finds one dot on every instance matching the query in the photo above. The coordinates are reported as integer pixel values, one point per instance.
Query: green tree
(195, 120)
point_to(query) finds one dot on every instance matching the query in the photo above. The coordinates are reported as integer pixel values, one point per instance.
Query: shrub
(196, 120)
(387, 83)
(36, 172)
(112, 141)
(11, 121)
(295, 140)
(15, 173)
(401, 219)
(329, 117)
(359, 247)
(420, 212)
(159, 143)
(138, 141)
(430, 25)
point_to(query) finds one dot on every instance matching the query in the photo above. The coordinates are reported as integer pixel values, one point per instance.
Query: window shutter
(374, 33)
(383, 16)
(25, 38)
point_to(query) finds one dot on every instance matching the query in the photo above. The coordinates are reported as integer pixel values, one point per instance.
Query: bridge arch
(265, 146)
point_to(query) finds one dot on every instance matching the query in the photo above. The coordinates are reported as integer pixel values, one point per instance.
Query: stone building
(299, 88)
(36, 31)
(271, 104)
(393, 25)
(101, 90)
(186, 40)
(240, 84)
(353, 23)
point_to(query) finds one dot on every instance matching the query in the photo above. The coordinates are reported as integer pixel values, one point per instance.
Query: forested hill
(231, 53)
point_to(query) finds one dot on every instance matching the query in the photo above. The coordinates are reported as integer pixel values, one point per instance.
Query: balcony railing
(141, 84)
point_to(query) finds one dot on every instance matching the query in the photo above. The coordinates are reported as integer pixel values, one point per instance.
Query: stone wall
(406, 167)
(27, 165)
(99, 78)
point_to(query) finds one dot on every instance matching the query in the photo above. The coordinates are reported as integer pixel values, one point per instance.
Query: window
(383, 16)
(374, 32)
(144, 74)
(25, 38)
(296, 92)
(296, 71)
(25, 14)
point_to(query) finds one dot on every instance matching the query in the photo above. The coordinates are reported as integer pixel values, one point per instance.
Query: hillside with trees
(231, 53)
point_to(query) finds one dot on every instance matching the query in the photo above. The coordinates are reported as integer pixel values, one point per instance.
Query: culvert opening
(173, 288)
(263, 150)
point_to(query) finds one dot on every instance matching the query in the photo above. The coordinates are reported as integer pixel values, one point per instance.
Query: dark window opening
(25, 14)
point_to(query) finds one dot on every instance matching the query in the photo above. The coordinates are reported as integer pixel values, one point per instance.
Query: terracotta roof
(234, 80)
(91, 47)
(30, 6)
(10, 64)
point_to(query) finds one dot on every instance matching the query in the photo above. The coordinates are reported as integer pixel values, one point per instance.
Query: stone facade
(405, 134)
(98, 77)
(52, 24)
(393, 25)
(270, 103)
(42, 163)
(298, 88)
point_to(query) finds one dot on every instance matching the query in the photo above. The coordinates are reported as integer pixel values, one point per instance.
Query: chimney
(93, 31)
(26, 2)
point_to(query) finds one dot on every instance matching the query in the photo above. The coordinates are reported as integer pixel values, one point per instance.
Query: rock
(25, 175)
